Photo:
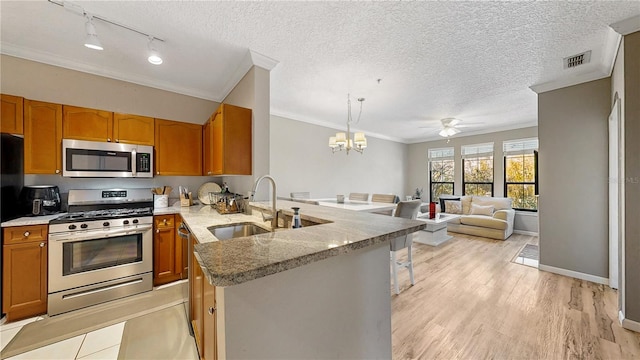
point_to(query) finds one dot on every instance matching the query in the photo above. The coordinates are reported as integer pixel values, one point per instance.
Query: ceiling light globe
(155, 59)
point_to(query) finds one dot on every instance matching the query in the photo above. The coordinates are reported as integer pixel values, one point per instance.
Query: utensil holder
(160, 201)
(186, 201)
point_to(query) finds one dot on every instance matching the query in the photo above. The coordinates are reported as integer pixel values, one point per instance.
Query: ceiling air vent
(577, 60)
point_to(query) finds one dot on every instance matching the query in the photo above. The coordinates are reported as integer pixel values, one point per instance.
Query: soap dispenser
(296, 222)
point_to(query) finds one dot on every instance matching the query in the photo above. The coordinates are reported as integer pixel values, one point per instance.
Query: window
(477, 165)
(521, 173)
(441, 166)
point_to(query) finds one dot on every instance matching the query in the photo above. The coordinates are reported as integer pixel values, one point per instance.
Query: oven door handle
(68, 237)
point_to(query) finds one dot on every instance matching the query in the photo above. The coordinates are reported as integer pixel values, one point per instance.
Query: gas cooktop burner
(104, 214)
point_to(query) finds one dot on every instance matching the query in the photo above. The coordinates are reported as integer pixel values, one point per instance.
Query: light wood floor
(470, 301)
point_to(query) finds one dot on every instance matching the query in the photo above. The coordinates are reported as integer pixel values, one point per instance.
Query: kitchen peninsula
(321, 291)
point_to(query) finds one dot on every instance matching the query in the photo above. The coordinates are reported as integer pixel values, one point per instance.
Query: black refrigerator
(11, 182)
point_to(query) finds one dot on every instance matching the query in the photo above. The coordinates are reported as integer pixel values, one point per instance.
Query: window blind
(441, 154)
(521, 146)
(478, 150)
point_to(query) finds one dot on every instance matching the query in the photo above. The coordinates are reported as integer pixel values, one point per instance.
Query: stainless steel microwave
(104, 159)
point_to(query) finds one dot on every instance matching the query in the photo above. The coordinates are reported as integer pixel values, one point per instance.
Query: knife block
(186, 201)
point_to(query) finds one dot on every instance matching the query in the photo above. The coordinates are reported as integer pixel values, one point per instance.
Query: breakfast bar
(320, 291)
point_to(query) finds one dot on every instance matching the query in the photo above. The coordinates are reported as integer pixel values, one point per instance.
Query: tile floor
(99, 344)
(112, 341)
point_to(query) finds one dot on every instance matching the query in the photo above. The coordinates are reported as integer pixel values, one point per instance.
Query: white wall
(301, 160)
(418, 167)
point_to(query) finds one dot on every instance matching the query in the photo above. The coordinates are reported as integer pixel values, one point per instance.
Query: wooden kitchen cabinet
(203, 312)
(167, 251)
(87, 124)
(178, 148)
(228, 141)
(133, 129)
(11, 114)
(24, 271)
(42, 137)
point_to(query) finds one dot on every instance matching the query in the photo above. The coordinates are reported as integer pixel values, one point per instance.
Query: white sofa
(484, 216)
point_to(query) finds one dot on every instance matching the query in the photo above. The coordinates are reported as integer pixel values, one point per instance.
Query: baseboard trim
(522, 232)
(629, 324)
(574, 274)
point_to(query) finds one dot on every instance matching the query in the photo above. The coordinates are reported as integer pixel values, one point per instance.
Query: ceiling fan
(448, 127)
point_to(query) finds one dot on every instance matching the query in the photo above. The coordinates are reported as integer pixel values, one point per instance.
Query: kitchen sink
(231, 231)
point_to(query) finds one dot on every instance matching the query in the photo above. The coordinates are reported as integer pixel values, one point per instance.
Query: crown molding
(627, 26)
(334, 126)
(262, 61)
(243, 68)
(56, 60)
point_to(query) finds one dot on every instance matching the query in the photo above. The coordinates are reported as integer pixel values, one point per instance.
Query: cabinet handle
(164, 221)
(157, 231)
(26, 234)
(157, 172)
(57, 171)
(117, 140)
(42, 244)
(108, 139)
(211, 310)
(208, 172)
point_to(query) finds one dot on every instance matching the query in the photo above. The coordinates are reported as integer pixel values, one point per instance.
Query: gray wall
(301, 160)
(37, 81)
(418, 169)
(253, 92)
(573, 165)
(632, 174)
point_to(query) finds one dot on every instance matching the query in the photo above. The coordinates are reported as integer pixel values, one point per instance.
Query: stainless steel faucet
(274, 212)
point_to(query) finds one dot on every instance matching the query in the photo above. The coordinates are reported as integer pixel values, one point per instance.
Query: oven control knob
(135, 221)
(106, 223)
(126, 222)
(84, 226)
(72, 227)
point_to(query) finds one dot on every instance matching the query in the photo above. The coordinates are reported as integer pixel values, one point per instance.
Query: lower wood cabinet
(167, 250)
(24, 271)
(203, 311)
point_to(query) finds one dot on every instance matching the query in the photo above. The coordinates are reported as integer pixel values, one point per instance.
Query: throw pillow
(453, 206)
(443, 207)
(481, 210)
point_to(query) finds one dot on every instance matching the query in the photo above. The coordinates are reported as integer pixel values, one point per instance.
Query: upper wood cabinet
(87, 124)
(42, 137)
(11, 114)
(133, 129)
(178, 148)
(228, 141)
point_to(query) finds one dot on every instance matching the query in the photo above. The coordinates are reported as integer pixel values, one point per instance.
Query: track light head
(91, 40)
(154, 55)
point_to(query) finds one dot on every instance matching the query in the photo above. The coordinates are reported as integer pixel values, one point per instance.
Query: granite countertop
(235, 261)
(31, 220)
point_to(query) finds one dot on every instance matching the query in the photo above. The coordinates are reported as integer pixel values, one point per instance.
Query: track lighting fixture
(91, 41)
(154, 55)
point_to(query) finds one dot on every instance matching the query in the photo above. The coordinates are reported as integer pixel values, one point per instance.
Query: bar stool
(407, 210)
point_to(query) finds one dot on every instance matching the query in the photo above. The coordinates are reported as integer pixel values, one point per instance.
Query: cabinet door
(209, 322)
(178, 148)
(237, 140)
(11, 114)
(196, 282)
(133, 129)
(207, 147)
(42, 137)
(87, 124)
(24, 280)
(217, 139)
(164, 250)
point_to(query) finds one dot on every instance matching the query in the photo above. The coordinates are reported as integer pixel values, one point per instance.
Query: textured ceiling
(474, 61)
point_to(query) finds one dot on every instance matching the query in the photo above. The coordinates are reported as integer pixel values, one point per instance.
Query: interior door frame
(616, 183)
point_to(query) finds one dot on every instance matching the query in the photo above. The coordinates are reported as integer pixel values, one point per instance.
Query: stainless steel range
(102, 249)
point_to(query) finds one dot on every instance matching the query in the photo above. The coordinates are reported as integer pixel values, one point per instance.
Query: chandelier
(343, 141)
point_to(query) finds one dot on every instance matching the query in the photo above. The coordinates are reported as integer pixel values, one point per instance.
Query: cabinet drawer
(22, 234)
(164, 221)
